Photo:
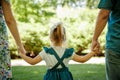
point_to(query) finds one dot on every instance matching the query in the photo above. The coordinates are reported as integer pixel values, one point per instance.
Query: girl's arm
(30, 60)
(83, 59)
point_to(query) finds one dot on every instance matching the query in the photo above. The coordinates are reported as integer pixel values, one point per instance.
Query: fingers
(95, 47)
(95, 44)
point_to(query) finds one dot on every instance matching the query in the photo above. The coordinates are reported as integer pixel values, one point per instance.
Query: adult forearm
(14, 31)
(100, 23)
(11, 23)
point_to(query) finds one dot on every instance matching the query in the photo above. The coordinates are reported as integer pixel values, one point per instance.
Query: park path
(93, 60)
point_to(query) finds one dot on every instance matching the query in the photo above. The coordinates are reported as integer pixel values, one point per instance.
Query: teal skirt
(58, 74)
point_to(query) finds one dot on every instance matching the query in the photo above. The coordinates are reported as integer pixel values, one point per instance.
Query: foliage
(33, 43)
(92, 3)
(81, 38)
(31, 11)
(40, 10)
(79, 24)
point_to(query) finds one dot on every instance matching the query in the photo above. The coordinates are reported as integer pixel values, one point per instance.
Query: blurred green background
(35, 17)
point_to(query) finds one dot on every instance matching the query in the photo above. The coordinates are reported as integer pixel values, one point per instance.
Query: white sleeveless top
(51, 60)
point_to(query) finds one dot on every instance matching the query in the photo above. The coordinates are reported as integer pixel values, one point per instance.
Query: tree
(29, 10)
(40, 10)
(92, 3)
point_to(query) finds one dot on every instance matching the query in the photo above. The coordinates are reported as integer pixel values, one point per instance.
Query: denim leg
(9, 78)
(112, 65)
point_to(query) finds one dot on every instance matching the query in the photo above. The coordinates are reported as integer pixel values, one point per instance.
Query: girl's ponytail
(57, 35)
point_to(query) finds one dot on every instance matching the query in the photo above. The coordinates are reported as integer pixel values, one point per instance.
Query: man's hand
(95, 44)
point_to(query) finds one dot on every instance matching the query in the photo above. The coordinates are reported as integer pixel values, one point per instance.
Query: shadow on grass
(79, 71)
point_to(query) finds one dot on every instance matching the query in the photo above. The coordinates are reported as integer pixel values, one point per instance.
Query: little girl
(57, 56)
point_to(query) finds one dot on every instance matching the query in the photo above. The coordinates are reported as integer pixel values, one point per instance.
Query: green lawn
(79, 71)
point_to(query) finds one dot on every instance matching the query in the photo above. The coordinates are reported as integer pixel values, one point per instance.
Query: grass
(79, 71)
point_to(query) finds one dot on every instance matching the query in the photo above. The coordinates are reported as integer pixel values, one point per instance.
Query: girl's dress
(57, 63)
(5, 65)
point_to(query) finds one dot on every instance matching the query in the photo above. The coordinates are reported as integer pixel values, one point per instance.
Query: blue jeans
(112, 65)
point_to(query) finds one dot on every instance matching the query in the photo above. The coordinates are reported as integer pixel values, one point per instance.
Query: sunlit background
(34, 19)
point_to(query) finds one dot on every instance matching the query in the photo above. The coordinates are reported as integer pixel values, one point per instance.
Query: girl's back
(57, 59)
(51, 59)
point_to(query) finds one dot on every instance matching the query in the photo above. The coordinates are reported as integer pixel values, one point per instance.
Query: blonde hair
(57, 34)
